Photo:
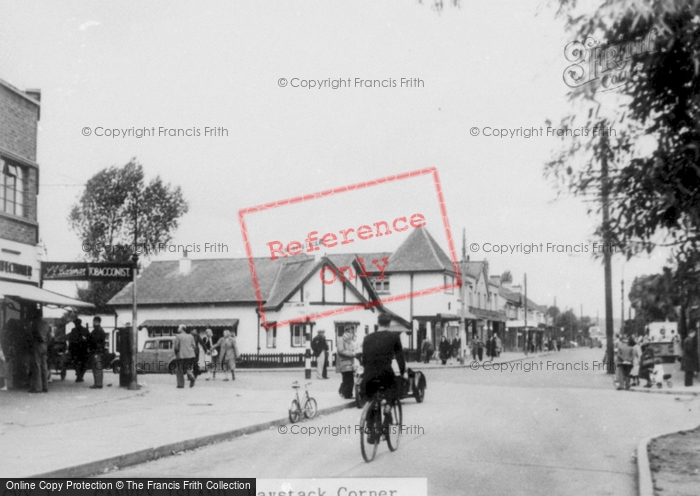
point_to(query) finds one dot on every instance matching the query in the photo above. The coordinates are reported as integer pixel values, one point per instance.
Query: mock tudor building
(220, 294)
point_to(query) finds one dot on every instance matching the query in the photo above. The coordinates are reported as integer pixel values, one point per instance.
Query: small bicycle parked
(295, 409)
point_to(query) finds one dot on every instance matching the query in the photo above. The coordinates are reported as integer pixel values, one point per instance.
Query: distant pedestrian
(98, 339)
(79, 349)
(427, 350)
(199, 361)
(346, 356)
(185, 356)
(209, 354)
(39, 375)
(636, 362)
(499, 345)
(319, 347)
(228, 353)
(479, 349)
(444, 349)
(646, 364)
(474, 348)
(689, 362)
(677, 347)
(624, 362)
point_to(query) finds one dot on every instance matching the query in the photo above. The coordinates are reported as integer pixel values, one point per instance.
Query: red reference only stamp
(350, 249)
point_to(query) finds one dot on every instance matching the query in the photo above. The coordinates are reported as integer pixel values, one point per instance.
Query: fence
(282, 360)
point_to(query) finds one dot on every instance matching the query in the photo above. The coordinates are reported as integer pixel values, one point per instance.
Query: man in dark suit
(98, 338)
(378, 351)
(319, 346)
(79, 343)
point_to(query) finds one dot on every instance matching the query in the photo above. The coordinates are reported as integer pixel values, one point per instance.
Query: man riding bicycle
(379, 349)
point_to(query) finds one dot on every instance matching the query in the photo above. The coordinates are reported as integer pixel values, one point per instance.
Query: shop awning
(483, 314)
(154, 324)
(521, 323)
(36, 294)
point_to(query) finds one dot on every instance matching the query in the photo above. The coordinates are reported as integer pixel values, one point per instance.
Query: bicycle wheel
(310, 408)
(393, 434)
(368, 429)
(294, 411)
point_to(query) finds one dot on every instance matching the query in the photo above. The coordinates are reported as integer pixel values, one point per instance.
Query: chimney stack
(517, 289)
(185, 264)
(496, 280)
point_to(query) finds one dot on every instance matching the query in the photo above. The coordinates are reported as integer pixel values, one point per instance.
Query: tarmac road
(552, 430)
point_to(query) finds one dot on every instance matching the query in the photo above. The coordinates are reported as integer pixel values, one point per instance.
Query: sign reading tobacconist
(86, 271)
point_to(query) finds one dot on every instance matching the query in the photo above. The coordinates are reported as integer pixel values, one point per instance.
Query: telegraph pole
(607, 252)
(134, 384)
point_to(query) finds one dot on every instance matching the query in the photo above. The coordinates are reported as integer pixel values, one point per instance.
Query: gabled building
(219, 294)
(485, 314)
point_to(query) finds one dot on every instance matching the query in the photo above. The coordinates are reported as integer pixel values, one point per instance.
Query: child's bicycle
(295, 409)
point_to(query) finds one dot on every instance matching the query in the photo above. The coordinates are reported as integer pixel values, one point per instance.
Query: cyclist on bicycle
(379, 349)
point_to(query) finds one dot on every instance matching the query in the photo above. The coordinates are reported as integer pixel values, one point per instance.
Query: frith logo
(611, 66)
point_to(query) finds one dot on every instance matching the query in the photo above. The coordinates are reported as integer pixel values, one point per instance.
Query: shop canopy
(521, 324)
(38, 295)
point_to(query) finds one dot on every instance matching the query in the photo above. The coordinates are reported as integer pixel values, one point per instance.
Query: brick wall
(18, 135)
(18, 124)
(15, 230)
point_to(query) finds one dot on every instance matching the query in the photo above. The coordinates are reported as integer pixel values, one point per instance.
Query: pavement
(77, 431)
(529, 429)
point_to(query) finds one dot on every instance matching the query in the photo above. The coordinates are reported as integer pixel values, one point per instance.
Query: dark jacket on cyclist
(378, 351)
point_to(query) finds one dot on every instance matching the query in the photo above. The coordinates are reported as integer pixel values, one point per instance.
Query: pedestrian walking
(319, 347)
(98, 340)
(479, 349)
(199, 362)
(228, 353)
(474, 348)
(210, 352)
(346, 356)
(677, 347)
(689, 361)
(444, 349)
(185, 355)
(79, 344)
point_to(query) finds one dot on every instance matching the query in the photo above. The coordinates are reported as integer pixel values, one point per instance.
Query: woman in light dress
(228, 352)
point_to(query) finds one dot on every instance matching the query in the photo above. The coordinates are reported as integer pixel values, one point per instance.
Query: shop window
(271, 334)
(11, 189)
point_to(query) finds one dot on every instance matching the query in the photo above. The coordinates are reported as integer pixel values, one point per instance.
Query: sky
(195, 65)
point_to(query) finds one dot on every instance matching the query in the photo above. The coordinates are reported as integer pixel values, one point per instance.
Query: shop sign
(15, 269)
(86, 271)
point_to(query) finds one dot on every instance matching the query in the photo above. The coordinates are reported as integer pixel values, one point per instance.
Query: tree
(116, 204)
(507, 277)
(654, 192)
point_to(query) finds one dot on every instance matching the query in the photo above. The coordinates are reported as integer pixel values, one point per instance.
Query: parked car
(157, 356)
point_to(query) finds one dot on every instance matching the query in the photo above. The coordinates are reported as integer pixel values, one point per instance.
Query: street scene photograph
(307, 248)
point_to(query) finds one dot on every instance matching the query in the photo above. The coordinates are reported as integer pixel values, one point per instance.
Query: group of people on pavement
(635, 360)
(447, 349)
(196, 355)
(28, 353)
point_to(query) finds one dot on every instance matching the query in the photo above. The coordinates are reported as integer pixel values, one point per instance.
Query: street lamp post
(134, 312)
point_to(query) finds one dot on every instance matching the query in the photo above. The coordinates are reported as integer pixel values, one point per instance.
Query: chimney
(185, 264)
(496, 280)
(507, 285)
(517, 289)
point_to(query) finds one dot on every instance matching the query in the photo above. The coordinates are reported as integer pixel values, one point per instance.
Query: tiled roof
(290, 276)
(473, 269)
(518, 298)
(346, 259)
(208, 281)
(419, 252)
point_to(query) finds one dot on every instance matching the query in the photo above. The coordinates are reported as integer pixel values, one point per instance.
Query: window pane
(150, 345)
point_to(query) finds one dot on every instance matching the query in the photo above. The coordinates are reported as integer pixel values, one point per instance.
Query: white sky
(194, 64)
